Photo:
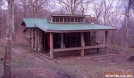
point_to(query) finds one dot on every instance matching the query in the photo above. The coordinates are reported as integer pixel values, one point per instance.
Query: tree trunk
(13, 25)
(0, 28)
(8, 47)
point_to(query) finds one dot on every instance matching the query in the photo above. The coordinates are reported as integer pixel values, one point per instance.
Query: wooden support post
(51, 46)
(32, 36)
(40, 44)
(51, 19)
(106, 41)
(36, 39)
(82, 44)
(44, 47)
(63, 20)
(62, 43)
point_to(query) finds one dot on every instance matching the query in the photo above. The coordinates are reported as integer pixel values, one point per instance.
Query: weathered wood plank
(44, 47)
(79, 48)
(82, 44)
(36, 39)
(32, 37)
(40, 44)
(67, 49)
(106, 41)
(68, 31)
(95, 46)
(51, 46)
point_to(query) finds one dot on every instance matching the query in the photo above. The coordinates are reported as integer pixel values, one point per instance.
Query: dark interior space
(70, 40)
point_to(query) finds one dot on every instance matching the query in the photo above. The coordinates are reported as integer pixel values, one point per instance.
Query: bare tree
(102, 9)
(127, 23)
(111, 14)
(1, 3)
(8, 47)
(73, 6)
(33, 8)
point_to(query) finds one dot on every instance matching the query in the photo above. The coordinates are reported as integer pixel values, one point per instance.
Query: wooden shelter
(60, 33)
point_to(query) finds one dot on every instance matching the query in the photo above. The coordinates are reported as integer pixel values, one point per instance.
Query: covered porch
(82, 46)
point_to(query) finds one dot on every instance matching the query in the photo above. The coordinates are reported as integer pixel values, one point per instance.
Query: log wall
(33, 37)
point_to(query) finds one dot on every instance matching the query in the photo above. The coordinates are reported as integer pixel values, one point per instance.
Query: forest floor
(27, 63)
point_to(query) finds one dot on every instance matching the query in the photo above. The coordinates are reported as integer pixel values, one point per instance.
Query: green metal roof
(43, 24)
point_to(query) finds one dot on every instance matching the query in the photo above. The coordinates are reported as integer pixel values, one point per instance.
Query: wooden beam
(67, 49)
(66, 19)
(44, 47)
(62, 43)
(74, 20)
(95, 46)
(36, 39)
(68, 31)
(51, 46)
(32, 40)
(82, 44)
(106, 41)
(63, 19)
(30, 37)
(79, 48)
(40, 38)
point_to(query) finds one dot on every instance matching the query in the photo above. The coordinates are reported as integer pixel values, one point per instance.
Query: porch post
(51, 46)
(32, 37)
(106, 41)
(62, 44)
(82, 44)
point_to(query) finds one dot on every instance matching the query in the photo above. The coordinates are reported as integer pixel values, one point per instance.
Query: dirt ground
(27, 63)
(95, 66)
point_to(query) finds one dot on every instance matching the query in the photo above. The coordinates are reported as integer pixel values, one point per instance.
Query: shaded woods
(115, 13)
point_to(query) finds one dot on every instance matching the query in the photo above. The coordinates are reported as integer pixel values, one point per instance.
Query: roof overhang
(71, 31)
